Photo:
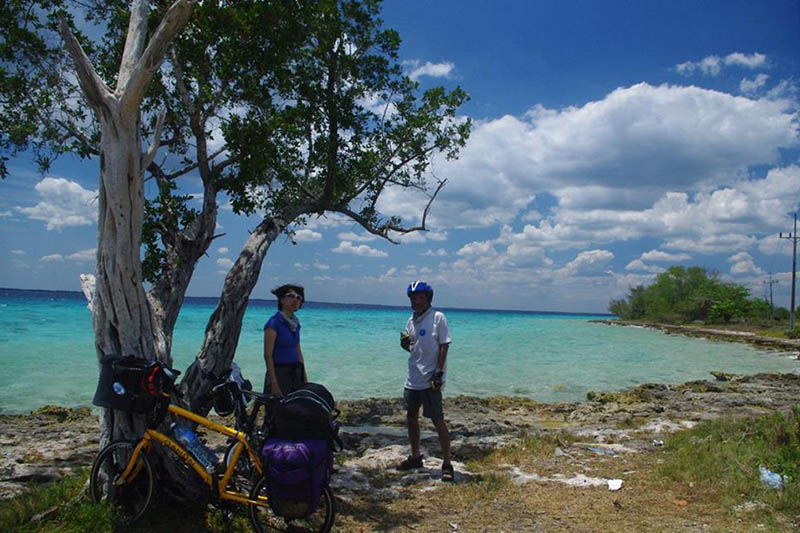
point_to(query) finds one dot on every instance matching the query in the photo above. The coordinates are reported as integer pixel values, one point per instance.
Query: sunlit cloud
(64, 203)
(347, 247)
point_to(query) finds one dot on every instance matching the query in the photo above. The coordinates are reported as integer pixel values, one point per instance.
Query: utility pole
(771, 282)
(792, 237)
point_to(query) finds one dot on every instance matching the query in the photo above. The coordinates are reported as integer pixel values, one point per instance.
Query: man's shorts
(429, 399)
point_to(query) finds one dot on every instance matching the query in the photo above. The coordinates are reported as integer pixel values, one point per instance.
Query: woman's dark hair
(281, 291)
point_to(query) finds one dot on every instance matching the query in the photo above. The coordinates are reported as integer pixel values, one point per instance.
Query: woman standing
(282, 353)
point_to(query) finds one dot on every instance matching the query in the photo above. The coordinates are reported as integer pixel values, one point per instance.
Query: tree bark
(122, 316)
(225, 324)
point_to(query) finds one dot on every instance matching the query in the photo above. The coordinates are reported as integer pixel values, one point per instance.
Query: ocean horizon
(47, 351)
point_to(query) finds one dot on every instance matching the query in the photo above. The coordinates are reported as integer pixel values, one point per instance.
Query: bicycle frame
(146, 442)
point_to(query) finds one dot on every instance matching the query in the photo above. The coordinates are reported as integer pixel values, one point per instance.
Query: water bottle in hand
(405, 341)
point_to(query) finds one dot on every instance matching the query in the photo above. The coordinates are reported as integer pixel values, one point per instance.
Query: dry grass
(646, 502)
(651, 498)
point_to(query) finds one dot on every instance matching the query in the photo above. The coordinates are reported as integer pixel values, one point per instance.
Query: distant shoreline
(260, 302)
(745, 337)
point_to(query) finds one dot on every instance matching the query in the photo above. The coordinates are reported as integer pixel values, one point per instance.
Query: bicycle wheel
(131, 498)
(263, 519)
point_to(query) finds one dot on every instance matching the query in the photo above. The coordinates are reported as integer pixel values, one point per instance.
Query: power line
(792, 237)
(771, 282)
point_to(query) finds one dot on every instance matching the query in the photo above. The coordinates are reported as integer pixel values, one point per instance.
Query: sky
(610, 141)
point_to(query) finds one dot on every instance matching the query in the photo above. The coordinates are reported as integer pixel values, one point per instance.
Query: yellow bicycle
(122, 473)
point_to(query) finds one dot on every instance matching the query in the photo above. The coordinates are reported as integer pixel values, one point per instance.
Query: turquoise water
(47, 354)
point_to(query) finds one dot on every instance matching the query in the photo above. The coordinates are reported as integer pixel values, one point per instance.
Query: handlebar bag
(296, 472)
(128, 384)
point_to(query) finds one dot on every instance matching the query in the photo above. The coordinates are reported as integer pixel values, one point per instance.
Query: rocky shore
(53, 442)
(748, 337)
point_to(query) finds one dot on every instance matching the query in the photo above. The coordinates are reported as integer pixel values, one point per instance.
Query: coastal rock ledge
(53, 442)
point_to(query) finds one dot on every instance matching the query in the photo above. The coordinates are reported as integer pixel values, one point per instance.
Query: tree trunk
(122, 315)
(225, 324)
(123, 322)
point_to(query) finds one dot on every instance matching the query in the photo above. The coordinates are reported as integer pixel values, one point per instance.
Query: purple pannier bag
(296, 473)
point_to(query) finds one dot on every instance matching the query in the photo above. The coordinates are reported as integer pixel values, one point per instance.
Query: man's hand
(405, 341)
(436, 382)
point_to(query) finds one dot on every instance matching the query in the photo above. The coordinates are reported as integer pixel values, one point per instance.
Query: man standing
(427, 340)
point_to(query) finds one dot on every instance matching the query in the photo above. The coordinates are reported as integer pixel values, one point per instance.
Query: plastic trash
(189, 440)
(601, 451)
(657, 442)
(771, 479)
(614, 484)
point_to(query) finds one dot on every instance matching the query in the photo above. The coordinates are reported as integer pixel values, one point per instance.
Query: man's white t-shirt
(426, 332)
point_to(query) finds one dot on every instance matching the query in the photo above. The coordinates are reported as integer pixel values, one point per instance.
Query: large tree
(293, 109)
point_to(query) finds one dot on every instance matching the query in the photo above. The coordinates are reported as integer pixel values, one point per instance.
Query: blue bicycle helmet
(420, 286)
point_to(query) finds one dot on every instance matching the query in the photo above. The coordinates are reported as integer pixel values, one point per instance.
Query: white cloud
(475, 248)
(307, 235)
(347, 247)
(222, 250)
(329, 220)
(531, 216)
(587, 261)
(752, 86)
(658, 255)
(389, 275)
(415, 237)
(224, 262)
(321, 266)
(741, 256)
(64, 203)
(18, 252)
(434, 70)
(83, 255)
(623, 152)
(441, 252)
(774, 245)
(6, 214)
(712, 65)
(638, 264)
(356, 237)
(744, 60)
(52, 258)
(744, 265)
(712, 244)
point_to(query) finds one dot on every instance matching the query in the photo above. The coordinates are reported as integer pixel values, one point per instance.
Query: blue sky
(611, 140)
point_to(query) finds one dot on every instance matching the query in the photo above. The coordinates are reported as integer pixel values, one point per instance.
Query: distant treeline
(682, 295)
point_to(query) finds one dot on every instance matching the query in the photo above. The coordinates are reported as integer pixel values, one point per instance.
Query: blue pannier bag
(297, 471)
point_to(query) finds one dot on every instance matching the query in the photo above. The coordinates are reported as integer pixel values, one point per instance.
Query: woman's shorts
(290, 377)
(429, 399)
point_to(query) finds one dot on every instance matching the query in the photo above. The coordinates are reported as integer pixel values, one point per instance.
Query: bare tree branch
(94, 88)
(134, 42)
(152, 150)
(382, 230)
(150, 60)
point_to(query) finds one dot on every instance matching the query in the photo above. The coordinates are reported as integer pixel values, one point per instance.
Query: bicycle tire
(132, 499)
(264, 520)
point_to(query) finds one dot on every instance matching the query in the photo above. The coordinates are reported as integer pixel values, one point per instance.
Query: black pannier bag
(306, 413)
(128, 384)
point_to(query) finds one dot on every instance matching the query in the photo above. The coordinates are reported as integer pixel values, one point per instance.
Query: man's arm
(442, 356)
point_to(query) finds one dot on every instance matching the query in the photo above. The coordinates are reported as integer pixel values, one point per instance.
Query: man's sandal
(447, 472)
